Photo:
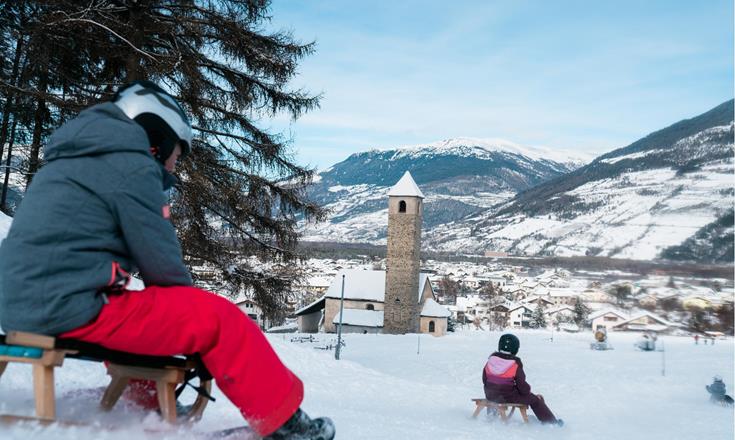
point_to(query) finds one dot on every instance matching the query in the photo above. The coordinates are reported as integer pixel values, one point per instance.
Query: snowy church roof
(364, 318)
(434, 309)
(367, 285)
(311, 308)
(406, 187)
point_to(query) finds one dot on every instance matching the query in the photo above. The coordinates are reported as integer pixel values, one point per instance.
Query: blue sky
(588, 76)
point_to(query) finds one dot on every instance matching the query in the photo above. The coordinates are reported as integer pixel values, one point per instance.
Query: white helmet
(162, 118)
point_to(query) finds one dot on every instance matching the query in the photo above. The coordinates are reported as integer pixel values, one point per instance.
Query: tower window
(402, 206)
(431, 326)
(370, 307)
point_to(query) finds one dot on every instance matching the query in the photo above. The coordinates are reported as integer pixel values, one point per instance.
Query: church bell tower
(405, 212)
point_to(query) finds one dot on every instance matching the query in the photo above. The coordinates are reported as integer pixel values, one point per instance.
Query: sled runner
(501, 408)
(45, 353)
(237, 433)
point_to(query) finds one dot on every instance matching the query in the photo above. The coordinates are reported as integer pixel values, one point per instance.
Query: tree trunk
(38, 120)
(9, 101)
(133, 69)
(3, 199)
(38, 117)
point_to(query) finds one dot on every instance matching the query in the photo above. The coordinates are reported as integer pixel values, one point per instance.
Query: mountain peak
(484, 147)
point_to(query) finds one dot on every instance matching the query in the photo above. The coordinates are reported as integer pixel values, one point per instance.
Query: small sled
(45, 353)
(600, 346)
(501, 409)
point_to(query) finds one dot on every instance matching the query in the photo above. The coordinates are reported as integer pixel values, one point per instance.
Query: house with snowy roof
(521, 315)
(645, 322)
(562, 296)
(535, 300)
(251, 308)
(606, 319)
(500, 313)
(596, 298)
(560, 314)
(397, 300)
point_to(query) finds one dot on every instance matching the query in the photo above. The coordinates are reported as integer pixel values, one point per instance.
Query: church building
(397, 300)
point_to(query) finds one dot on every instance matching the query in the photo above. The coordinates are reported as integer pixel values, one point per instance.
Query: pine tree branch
(248, 234)
(150, 56)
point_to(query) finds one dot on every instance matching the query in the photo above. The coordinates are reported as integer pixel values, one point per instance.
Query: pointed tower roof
(406, 187)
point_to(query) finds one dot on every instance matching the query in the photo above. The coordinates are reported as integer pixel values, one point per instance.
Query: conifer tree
(538, 318)
(449, 288)
(581, 313)
(241, 192)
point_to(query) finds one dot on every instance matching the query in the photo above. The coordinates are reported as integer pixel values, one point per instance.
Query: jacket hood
(498, 366)
(100, 129)
(509, 356)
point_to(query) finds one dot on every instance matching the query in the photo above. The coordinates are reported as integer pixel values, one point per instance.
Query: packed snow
(419, 387)
(5, 222)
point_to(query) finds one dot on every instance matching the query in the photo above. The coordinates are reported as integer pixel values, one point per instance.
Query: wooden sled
(501, 408)
(45, 353)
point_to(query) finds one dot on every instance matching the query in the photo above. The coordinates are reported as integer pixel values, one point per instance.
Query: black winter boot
(301, 427)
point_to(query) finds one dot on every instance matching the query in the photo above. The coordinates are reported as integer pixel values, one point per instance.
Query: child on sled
(97, 211)
(505, 381)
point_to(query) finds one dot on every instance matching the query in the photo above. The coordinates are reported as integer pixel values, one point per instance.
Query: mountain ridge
(460, 177)
(656, 192)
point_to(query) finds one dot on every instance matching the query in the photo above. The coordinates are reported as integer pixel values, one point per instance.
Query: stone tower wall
(402, 275)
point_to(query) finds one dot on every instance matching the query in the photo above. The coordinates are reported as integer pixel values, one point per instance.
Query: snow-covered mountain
(459, 177)
(667, 195)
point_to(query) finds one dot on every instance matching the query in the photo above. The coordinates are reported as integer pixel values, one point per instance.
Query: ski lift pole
(339, 328)
(663, 359)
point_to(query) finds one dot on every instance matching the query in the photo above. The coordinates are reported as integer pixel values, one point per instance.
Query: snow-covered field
(383, 389)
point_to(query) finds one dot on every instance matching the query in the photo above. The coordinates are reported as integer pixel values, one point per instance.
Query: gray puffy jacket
(92, 214)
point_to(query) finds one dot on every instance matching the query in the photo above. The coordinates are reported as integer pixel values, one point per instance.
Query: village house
(520, 315)
(596, 299)
(499, 314)
(535, 300)
(251, 309)
(645, 322)
(498, 282)
(562, 296)
(560, 314)
(606, 319)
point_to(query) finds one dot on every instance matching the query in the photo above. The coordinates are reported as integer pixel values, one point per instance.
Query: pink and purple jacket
(504, 379)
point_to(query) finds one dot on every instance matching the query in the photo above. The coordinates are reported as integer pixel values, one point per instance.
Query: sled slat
(31, 340)
(501, 408)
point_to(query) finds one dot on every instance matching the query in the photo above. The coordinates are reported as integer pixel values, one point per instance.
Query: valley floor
(419, 387)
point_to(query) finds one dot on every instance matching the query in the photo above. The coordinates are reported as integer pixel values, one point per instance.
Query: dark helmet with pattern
(509, 344)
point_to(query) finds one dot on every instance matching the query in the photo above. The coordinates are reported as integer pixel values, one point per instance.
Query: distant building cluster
(402, 294)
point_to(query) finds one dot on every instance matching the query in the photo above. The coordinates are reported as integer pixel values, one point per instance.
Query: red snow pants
(167, 321)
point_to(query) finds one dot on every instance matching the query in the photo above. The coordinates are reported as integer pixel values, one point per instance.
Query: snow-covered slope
(459, 177)
(390, 388)
(634, 202)
(4, 225)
